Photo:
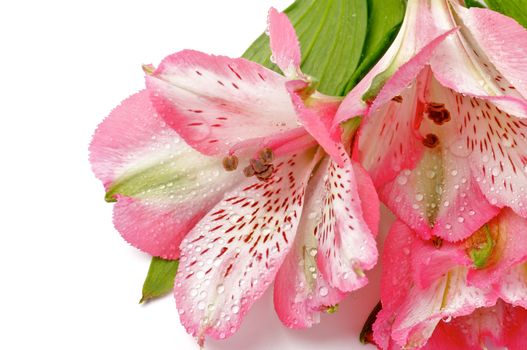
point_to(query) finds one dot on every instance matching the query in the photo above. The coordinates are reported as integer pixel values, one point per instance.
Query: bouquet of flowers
(237, 173)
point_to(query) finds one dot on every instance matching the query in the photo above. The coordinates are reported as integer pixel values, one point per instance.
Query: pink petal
(512, 286)
(495, 145)
(369, 199)
(388, 140)
(396, 280)
(134, 146)
(316, 118)
(411, 50)
(347, 245)
(232, 255)
(509, 251)
(216, 102)
(300, 291)
(410, 314)
(439, 198)
(409, 71)
(503, 324)
(284, 43)
(487, 58)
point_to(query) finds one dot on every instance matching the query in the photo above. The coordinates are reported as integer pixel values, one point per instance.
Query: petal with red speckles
(300, 291)
(232, 255)
(346, 240)
(493, 142)
(216, 102)
(161, 185)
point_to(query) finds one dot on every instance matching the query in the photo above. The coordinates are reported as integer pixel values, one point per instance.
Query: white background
(68, 280)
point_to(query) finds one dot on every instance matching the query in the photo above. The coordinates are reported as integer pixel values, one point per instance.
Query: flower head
(444, 134)
(231, 168)
(463, 293)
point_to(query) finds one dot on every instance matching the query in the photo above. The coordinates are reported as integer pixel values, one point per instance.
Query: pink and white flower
(444, 133)
(301, 212)
(458, 296)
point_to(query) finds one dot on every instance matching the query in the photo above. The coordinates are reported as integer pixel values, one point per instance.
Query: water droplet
(402, 180)
(495, 171)
(323, 291)
(313, 252)
(419, 197)
(220, 289)
(235, 309)
(459, 148)
(454, 172)
(461, 219)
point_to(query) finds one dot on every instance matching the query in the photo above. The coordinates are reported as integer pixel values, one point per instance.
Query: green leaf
(474, 3)
(331, 34)
(384, 21)
(160, 278)
(516, 9)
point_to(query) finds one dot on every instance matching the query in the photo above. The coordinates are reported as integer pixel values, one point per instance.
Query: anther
(398, 99)
(230, 163)
(438, 113)
(248, 171)
(431, 141)
(266, 156)
(266, 174)
(437, 242)
(149, 69)
(258, 166)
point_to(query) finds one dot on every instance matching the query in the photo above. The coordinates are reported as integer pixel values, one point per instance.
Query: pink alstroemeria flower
(458, 296)
(445, 137)
(229, 167)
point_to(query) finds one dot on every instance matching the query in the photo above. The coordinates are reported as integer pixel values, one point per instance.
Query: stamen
(248, 171)
(230, 163)
(149, 69)
(266, 174)
(438, 113)
(398, 99)
(266, 156)
(437, 242)
(431, 141)
(258, 166)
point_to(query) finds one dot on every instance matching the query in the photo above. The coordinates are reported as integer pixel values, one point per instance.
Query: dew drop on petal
(402, 180)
